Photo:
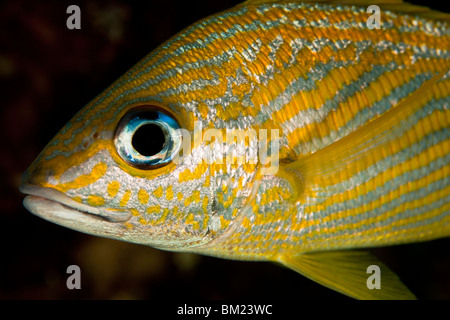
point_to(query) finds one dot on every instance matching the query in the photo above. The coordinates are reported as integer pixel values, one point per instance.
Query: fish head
(141, 162)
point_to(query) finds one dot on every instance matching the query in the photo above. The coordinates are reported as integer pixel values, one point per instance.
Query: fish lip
(40, 198)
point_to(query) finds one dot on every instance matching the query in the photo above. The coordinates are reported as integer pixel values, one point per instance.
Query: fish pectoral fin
(318, 170)
(350, 273)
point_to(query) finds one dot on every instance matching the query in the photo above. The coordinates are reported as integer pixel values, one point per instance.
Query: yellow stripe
(308, 33)
(143, 196)
(423, 159)
(84, 180)
(125, 198)
(113, 188)
(377, 203)
(348, 109)
(95, 200)
(386, 234)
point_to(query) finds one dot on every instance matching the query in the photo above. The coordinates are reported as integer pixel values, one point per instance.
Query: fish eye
(147, 137)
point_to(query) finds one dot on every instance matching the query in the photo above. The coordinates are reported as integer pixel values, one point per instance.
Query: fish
(285, 131)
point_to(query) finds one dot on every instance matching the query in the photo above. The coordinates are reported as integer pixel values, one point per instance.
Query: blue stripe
(127, 78)
(374, 170)
(364, 115)
(393, 160)
(378, 212)
(405, 198)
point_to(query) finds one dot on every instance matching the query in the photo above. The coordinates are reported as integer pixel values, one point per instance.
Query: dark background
(47, 73)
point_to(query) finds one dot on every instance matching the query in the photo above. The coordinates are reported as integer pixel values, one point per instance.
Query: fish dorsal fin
(392, 5)
(350, 273)
(325, 165)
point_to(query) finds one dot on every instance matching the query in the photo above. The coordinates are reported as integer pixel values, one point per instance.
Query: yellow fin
(347, 273)
(393, 5)
(326, 164)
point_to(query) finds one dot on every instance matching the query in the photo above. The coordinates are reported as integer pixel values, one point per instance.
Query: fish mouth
(55, 206)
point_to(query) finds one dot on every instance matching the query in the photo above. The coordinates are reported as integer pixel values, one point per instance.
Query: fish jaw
(44, 195)
(54, 206)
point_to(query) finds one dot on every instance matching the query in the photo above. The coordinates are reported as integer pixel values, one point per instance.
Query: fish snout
(48, 202)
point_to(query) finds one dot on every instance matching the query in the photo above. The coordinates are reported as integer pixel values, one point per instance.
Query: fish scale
(363, 120)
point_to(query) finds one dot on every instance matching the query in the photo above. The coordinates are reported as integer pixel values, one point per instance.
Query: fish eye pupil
(148, 140)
